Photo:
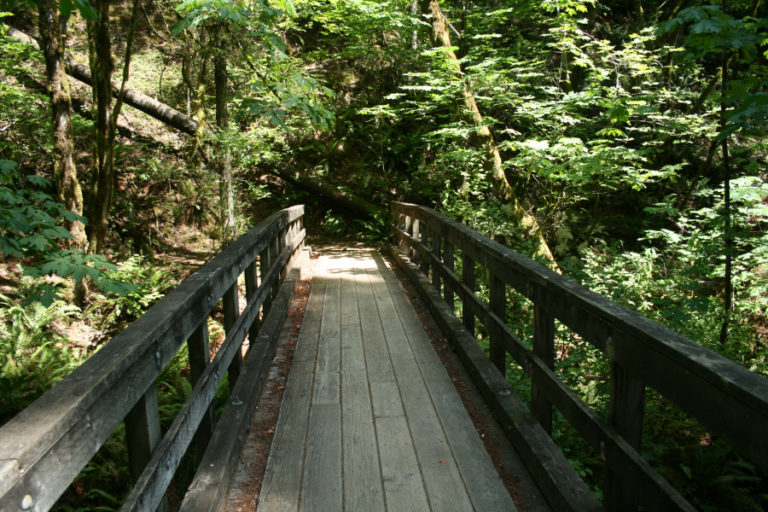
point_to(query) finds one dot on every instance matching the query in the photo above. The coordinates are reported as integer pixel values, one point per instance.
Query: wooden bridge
(370, 419)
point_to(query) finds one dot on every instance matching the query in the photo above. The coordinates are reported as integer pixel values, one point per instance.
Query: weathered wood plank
(544, 347)
(352, 353)
(403, 486)
(306, 345)
(321, 487)
(281, 486)
(483, 484)
(329, 344)
(363, 488)
(442, 480)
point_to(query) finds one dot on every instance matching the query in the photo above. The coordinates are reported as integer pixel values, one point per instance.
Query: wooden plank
(442, 480)
(363, 488)
(281, 485)
(321, 487)
(468, 279)
(352, 352)
(498, 302)
(142, 431)
(306, 345)
(483, 484)
(251, 275)
(403, 486)
(199, 352)
(385, 398)
(544, 347)
(448, 257)
(329, 343)
(377, 357)
(327, 388)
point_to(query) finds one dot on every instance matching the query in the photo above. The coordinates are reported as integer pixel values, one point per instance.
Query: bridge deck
(370, 419)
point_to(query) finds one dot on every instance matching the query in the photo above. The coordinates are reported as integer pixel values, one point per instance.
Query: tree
(65, 173)
(483, 138)
(105, 126)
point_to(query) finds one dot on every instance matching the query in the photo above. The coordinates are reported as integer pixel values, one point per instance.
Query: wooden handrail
(43, 448)
(724, 396)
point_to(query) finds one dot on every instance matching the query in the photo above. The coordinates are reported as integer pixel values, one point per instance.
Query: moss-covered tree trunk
(105, 120)
(100, 52)
(223, 157)
(483, 139)
(65, 172)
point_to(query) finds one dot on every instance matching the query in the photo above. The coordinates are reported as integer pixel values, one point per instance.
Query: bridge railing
(723, 396)
(43, 448)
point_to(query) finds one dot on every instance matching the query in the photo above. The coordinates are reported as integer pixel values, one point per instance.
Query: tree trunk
(223, 157)
(100, 52)
(65, 171)
(483, 139)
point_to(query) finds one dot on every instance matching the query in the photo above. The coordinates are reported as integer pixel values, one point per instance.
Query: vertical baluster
(448, 256)
(468, 278)
(231, 312)
(625, 414)
(544, 348)
(251, 288)
(436, 271)
(408, 228)
(498, 304)
(416, 256)
(264, 264)
(199, 358)
(142, 433)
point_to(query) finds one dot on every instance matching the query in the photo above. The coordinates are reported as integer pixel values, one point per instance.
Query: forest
(622, 144)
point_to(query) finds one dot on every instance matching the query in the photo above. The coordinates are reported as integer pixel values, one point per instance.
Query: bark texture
(100, 52)
(223, 158)
(102, 66)
(483, 139)
(57, 85)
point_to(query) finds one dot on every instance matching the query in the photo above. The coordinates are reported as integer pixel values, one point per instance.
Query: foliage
(114, 311)
(34, 352)
(30, 229)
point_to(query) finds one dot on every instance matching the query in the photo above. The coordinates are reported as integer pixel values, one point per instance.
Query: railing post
(448, 256)
(416, 226)
(142, 433)
(544, 348)
(436, 270)
(199, 351)
(498, 300)
(265, 261)
(408, 228)
(625, 414)
(251, 287)
(468, 278)
(231, 312)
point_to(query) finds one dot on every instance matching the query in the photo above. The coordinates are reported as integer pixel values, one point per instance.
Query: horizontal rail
(722, 395)
(45, 446)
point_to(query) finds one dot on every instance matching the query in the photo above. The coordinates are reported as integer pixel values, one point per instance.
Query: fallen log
(314, 185)
(136, 99)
